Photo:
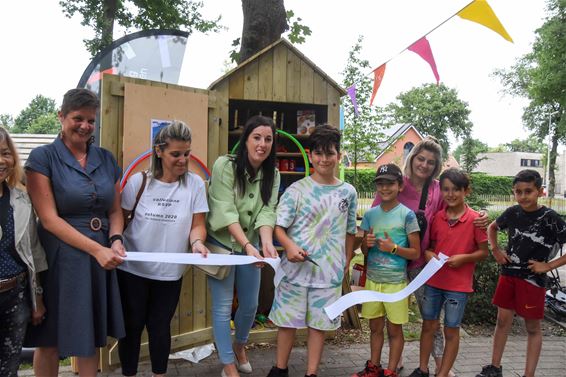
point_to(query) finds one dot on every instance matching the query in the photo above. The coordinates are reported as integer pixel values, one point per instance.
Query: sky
(43, 52)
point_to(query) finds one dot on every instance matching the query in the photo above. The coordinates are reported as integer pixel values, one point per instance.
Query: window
(406, 149)
(524, 162)
(535, 163)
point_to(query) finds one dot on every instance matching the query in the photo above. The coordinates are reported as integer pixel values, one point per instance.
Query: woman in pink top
(423, 164)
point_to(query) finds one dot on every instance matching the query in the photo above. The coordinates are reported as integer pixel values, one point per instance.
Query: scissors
(308, 258)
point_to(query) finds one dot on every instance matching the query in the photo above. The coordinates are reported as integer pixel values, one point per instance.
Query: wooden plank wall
(280, 75)
(191, 323)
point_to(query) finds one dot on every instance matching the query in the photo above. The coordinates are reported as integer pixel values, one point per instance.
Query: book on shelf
(306, 121)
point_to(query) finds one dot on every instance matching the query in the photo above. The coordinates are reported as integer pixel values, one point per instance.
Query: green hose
(294, 140)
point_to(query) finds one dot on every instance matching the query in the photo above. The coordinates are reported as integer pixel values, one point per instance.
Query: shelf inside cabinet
(291, 172)
(236, 132)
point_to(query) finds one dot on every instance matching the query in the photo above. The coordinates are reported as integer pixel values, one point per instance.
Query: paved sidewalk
(344, 361)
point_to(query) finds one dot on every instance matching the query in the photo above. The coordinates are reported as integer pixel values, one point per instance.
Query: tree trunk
(107, 34)
(264, 22)
(552, 166)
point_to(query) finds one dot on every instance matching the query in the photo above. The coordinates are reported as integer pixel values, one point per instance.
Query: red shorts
(526, 299)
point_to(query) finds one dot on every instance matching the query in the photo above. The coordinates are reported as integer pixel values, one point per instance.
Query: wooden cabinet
(287, 117)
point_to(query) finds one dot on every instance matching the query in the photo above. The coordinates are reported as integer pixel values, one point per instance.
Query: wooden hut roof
(290, 46)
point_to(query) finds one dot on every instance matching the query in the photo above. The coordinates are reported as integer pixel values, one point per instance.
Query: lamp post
(548, 150)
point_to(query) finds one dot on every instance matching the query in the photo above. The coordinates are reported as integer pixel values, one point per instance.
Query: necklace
(82, 158)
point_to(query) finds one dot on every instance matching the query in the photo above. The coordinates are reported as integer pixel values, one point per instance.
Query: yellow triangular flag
(479, 11)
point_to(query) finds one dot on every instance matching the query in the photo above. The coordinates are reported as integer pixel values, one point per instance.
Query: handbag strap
(424, 196)
(138, 197)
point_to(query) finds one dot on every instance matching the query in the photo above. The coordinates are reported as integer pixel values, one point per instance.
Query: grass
(62, 363)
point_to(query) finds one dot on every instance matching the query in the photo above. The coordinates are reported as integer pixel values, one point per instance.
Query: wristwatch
(394, 251)
(38, 290)
(115, 237)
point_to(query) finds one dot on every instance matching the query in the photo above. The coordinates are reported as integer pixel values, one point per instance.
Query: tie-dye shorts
(299, 307)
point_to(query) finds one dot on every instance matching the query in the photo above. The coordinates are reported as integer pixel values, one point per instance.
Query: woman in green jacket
(242, 200)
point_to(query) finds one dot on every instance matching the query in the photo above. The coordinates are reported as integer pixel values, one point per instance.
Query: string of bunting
(477, 11)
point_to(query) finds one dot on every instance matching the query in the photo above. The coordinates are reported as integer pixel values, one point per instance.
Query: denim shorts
(454, 304)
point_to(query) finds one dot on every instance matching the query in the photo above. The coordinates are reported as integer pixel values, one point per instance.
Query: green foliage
(479, 309)
(532, 144)
(6, 121)
(467, 153)
(297, 32)
(364, 179)
(362, 134)
(434, 110)
(45, 124)
(40, 116)
(100, 16)
(539, 76)
(483, 184)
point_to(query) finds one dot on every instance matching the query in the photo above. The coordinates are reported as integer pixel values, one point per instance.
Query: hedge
(482, 184)
(364, 179)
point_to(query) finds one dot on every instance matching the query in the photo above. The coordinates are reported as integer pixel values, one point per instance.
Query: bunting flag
(352, 94)
(378, 76)
(480, 12)
(422, 48)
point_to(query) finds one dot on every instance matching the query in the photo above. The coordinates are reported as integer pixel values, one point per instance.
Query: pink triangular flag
(422, 48)
(352, 94)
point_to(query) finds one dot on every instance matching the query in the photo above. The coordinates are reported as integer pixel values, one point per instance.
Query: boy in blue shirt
(391, 234)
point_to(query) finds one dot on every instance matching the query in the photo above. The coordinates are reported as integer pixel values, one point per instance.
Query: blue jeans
(454, 304)
(247, 279)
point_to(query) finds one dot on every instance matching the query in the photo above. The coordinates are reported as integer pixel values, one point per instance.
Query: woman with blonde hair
(167, 211)
(421, 193)
(21, 257)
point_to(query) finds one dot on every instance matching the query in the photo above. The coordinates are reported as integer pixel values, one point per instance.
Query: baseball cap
(390, 172)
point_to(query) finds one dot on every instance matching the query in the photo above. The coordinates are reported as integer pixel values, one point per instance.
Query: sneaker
(390, 373)
(370, 370)
(418, 373)
(278, 372)
(491, 371)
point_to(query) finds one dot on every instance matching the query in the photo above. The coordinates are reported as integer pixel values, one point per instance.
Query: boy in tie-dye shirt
(316, 225)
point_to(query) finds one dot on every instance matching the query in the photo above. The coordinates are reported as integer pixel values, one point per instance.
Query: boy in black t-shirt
(532, 230)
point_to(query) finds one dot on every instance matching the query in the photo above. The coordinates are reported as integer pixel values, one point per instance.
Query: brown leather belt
(7, 284)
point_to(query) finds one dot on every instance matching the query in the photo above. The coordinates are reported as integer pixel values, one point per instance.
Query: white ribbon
(210, 260)
(359, 297)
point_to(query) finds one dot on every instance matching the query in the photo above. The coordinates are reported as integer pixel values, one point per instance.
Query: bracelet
(246, 244)
(394, 251)
(195, 241)
(115, 237)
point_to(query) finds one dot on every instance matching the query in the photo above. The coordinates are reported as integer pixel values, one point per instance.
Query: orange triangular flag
(378, 76)
(479, 11)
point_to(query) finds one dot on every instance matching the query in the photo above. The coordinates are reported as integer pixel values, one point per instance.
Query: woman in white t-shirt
(169, 217)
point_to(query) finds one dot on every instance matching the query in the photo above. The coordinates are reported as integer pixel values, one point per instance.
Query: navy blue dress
(82, 299)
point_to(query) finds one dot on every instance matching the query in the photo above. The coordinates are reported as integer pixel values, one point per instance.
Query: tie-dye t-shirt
(317, 218)
(398, 222)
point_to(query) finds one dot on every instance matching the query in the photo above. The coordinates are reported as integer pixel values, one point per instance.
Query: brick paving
(343, 361)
